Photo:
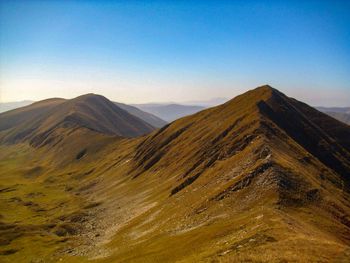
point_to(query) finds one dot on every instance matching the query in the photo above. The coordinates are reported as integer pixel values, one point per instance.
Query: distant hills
(6, 106)
(260, 178)
(143, 115)
(159, 114)
(169, 112)
(341, 114)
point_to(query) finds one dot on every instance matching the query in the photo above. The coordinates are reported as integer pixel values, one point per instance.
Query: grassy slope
(38, 122)
(38, 194)
(287, 203)
(215, 186)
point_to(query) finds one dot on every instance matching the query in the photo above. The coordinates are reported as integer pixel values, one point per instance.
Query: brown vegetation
(261, 178)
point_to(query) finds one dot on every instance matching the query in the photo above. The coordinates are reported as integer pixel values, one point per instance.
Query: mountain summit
(264, 119)
(42, 121)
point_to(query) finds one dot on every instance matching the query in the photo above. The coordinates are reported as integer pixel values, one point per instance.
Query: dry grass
(256, 194)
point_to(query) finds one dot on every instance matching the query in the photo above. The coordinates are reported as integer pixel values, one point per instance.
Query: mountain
(6, 106)
(343, 117)
(42, 122)
(145, 116)
(169, 112)
(341, 114)
(335, 109)
(260, 178)
(206, 103)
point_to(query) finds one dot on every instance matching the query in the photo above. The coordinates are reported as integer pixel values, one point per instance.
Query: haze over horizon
(135, 52)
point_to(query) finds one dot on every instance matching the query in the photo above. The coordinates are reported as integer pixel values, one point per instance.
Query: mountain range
(169, 112)
(158, 114)
(260, 178)
(341, 114)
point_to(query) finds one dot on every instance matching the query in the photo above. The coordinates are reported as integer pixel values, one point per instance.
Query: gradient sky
(147, 51)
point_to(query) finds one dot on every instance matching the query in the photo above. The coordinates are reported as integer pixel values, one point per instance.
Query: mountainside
(169, 112)
(145, 116)
(261, 178)
(41, 122)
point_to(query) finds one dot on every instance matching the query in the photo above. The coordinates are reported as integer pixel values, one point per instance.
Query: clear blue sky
(142, 51)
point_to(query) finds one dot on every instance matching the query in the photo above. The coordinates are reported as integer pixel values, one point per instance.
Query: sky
(159, 51)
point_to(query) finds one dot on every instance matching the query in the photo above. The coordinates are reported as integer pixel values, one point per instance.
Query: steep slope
(261, 178)
(169, 112)
(39, 121)
(145, 116)
(260, 172)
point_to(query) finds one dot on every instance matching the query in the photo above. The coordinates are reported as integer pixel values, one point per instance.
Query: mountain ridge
(90, 111)
(235, 183)
(262, 97)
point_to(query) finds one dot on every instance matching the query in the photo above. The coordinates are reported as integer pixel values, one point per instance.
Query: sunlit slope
(261, 178)
(45, 195)
(89, 111)
(239, 184)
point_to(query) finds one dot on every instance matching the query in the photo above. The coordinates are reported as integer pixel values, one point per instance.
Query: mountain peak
(264, 87)
(91, 97)
(249, 119)
(90, 111)
(264, 91)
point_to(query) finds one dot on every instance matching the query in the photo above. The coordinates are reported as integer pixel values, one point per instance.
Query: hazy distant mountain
(6, 106)
(339, 113)
(147, 117)
(206, 103)
(334, 109)
(169, 112)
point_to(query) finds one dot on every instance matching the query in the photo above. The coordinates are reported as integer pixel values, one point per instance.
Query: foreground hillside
(261, 178)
